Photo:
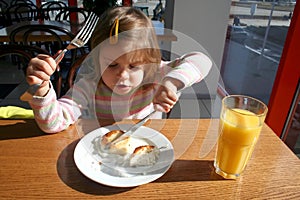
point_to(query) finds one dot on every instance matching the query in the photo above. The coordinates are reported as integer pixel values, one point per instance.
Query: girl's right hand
(39, 71)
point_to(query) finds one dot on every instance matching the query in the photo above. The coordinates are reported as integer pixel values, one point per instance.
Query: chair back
(50, 9)
(66, 78)
(30, 51)
(55, 38)
(21, 12)
(73, 15)
(3, 7)
(34, 33)
(20, 55)
(74, 69)
(14, 54)
(13, 2)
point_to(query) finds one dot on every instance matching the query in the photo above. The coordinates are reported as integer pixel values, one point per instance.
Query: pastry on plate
(121, 147)
(111, 136)
(144, 156)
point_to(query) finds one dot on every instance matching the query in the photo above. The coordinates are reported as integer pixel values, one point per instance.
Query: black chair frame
(66, 14)
(21, 55)
(22, 12)
(51, 8)
(56, 43)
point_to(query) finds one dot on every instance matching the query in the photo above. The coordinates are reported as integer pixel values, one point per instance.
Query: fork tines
(88, 28)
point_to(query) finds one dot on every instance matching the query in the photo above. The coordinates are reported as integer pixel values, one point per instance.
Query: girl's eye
(135, 67)
(113, 65)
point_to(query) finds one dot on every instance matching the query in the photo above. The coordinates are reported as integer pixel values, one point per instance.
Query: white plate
(87, 163)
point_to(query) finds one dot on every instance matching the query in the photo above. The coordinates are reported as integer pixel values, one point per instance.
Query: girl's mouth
(122, 88)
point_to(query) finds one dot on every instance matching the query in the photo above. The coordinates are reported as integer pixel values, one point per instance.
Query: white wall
(204, 21)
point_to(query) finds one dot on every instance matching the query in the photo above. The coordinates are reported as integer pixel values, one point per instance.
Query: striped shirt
(90, 98)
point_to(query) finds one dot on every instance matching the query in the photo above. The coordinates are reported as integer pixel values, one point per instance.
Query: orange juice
(239, 130)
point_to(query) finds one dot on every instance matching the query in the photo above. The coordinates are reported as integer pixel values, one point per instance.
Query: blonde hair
(133, 27)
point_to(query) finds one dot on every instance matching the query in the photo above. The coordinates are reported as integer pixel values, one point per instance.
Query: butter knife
(135, 127)
(138, 124)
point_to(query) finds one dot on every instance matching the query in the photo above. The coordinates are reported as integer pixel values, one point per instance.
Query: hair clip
(113, 39)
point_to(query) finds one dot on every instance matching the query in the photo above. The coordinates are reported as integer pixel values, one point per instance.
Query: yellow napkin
(14, 112)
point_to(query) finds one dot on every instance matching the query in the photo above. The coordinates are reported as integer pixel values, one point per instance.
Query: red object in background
(72, 3)
(73, 16)
(38, 3)
(287, 77)
(127, 2)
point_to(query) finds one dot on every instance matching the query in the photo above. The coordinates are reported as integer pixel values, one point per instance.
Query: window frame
(287, 77)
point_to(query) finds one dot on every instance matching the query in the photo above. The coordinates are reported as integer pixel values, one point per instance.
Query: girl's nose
(123, 73)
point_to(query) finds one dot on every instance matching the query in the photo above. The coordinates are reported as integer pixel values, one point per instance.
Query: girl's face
(122, 75)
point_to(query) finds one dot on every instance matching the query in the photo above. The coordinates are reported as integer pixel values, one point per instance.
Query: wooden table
(39, 166)
(162, 34)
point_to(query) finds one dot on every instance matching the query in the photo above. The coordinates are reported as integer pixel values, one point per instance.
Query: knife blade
(134, 127)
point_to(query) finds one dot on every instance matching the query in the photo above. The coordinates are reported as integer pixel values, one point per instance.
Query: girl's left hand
(166, 97)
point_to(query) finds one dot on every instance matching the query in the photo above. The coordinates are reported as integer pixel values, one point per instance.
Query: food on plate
(121, 147)
(111, 136)
(133, 151)
(144, 156)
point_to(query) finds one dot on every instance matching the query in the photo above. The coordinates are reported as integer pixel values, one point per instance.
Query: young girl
(122, 78)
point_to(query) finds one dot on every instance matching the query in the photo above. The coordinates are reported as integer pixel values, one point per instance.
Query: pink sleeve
(189, 68)
(54, 115)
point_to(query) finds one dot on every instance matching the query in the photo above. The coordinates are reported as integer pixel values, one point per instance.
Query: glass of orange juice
(241, 120)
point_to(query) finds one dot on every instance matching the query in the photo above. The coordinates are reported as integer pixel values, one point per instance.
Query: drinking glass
(241, 120)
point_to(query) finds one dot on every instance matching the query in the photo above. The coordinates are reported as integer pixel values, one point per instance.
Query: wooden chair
(70, 76)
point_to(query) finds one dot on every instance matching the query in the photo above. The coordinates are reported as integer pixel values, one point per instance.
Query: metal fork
(82, 37)
(79, 41)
